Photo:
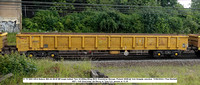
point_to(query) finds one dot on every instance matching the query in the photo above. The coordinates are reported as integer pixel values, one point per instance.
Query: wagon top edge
(3, 33)
(139, 34)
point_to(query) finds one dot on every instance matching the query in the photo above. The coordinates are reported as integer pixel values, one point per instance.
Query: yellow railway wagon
(3, 40)
(99, 41)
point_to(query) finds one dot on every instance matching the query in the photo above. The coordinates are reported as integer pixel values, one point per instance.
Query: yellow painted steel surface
(194, 40)
(91, 41)
(3, 37)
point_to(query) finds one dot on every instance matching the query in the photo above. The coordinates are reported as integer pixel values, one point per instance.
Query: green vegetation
(16, 64)
(186, 75)
(11, 38)
(23, 67)
(195, 4)
(163, 3)
(146, 20)
(160, 19)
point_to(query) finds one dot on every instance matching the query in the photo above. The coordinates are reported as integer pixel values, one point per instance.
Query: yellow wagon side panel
(23, 42)
(1, 43)
(139, 42)
(63, 42)
(102, 42)
(44, 41)
(162, 42)
(49, 42)
(127, 42)
(3, 40)
(88, 42)
(151, 42)
(76, 43)
(35, 42)
(184, 42)
(115, 43)
(173, 42)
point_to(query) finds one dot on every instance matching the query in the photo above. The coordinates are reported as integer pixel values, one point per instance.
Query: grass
(11, 38)
(47, 68)
(186, 75)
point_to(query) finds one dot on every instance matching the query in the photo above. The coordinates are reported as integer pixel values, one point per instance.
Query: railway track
(158, 62)
(188, 59)
(130, 57)
(129, 63)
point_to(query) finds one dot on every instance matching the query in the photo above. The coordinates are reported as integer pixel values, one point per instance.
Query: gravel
(158, 62)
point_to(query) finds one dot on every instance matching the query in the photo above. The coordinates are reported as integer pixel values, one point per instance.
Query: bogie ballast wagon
(97, 44)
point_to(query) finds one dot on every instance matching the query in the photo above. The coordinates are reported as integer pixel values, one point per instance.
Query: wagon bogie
(165, 53)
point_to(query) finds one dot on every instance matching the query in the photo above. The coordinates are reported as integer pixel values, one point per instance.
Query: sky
(185, 3)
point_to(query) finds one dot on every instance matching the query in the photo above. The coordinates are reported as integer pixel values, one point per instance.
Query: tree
(195, 4)
(167, 3)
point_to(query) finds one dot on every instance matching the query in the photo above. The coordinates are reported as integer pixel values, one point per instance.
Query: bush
(16, 64)
(141, 20)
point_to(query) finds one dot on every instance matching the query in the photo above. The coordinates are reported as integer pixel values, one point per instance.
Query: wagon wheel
(157, 54)
(175, 54)
(31, 54)
(53, 54)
